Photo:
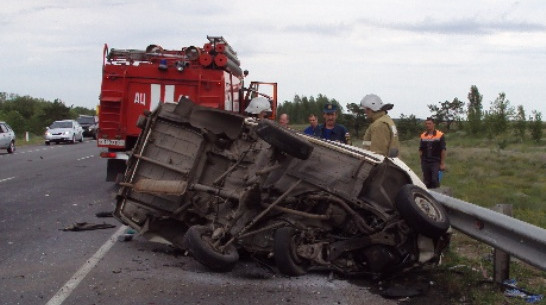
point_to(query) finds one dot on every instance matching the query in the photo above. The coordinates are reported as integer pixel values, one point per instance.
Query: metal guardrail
(520, 239)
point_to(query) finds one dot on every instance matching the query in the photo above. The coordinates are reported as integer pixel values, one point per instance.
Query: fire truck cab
(136, 81)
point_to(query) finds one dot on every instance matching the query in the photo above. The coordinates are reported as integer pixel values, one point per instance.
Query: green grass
(33, 140)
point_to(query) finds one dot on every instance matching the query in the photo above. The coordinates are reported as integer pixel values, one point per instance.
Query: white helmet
(371, 101)
(257, 105)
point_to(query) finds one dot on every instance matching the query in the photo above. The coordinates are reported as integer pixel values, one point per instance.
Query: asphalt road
(44, 189)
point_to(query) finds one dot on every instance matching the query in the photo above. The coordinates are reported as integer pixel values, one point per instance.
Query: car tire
(284, 140)
(197, 242)
(11, 147)
(81, 138)
(47, 143)
(421, 211)
(73, 139)
(284, 249)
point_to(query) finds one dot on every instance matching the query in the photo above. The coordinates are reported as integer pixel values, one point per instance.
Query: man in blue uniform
(313, 125)
(330, 130)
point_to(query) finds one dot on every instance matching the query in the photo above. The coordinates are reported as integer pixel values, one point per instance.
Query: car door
(4, 136)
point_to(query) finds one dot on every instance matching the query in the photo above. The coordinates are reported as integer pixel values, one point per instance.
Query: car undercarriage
(218, 184)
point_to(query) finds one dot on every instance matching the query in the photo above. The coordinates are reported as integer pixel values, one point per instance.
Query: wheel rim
(428, 208)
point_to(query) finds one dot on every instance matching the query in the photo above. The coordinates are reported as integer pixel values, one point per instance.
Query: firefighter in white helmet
(259, 106)
(381, 136)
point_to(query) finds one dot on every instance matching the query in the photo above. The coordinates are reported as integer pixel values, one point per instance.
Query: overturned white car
(217, 184)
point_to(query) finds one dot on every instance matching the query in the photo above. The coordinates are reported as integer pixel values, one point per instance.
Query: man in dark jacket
(330, 130)
(432, 150)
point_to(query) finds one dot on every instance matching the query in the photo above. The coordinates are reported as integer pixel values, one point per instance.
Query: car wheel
(81, 138)
(73, 139)
(198, 242)
(284, 140)
(11, 148)
(421, 211)
(47, 143)
(285, 251)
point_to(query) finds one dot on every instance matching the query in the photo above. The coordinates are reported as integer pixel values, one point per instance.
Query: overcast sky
(410, 53)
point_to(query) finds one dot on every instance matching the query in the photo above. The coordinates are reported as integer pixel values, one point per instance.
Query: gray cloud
(468, 26)
(319, 29)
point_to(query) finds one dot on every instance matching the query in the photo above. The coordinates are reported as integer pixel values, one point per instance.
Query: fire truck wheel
(285, 247)
(421, 211)
(284, 140)
(199, 243)
(141, 122)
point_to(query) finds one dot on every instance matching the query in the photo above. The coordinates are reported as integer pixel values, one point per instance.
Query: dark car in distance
(89, 124)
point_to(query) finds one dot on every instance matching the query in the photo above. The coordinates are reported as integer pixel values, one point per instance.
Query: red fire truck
(136, 81)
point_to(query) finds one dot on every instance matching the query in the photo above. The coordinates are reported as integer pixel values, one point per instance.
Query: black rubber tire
(284, 250)
(196, 241)
(141, 121)
(284, 140)
(47, 143)
(11, 148)
(421, 211)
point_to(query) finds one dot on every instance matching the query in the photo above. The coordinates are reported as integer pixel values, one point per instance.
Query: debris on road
(104, 214)
(86, 226)
(512, 290)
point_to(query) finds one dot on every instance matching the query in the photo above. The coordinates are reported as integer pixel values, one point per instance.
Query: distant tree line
(25, 113)
(500, 122)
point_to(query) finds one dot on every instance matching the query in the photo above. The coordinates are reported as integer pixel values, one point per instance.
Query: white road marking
(17, 152)
(6, 179)
(73, 283)
(86, 157)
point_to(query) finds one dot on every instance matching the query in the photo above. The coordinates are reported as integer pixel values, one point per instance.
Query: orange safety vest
(432, 145)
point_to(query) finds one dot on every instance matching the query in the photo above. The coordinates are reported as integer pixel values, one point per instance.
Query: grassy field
(32, 140)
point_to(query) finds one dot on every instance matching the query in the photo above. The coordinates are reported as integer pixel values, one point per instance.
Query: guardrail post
(501, 262)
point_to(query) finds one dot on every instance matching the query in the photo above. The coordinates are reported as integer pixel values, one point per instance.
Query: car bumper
(58, 138)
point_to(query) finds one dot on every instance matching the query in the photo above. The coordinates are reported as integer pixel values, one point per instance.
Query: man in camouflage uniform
(381, 136)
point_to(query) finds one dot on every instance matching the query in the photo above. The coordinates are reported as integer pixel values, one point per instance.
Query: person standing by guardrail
(432, 150)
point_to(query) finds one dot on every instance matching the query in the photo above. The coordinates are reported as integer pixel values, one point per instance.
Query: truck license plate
(112, 142)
